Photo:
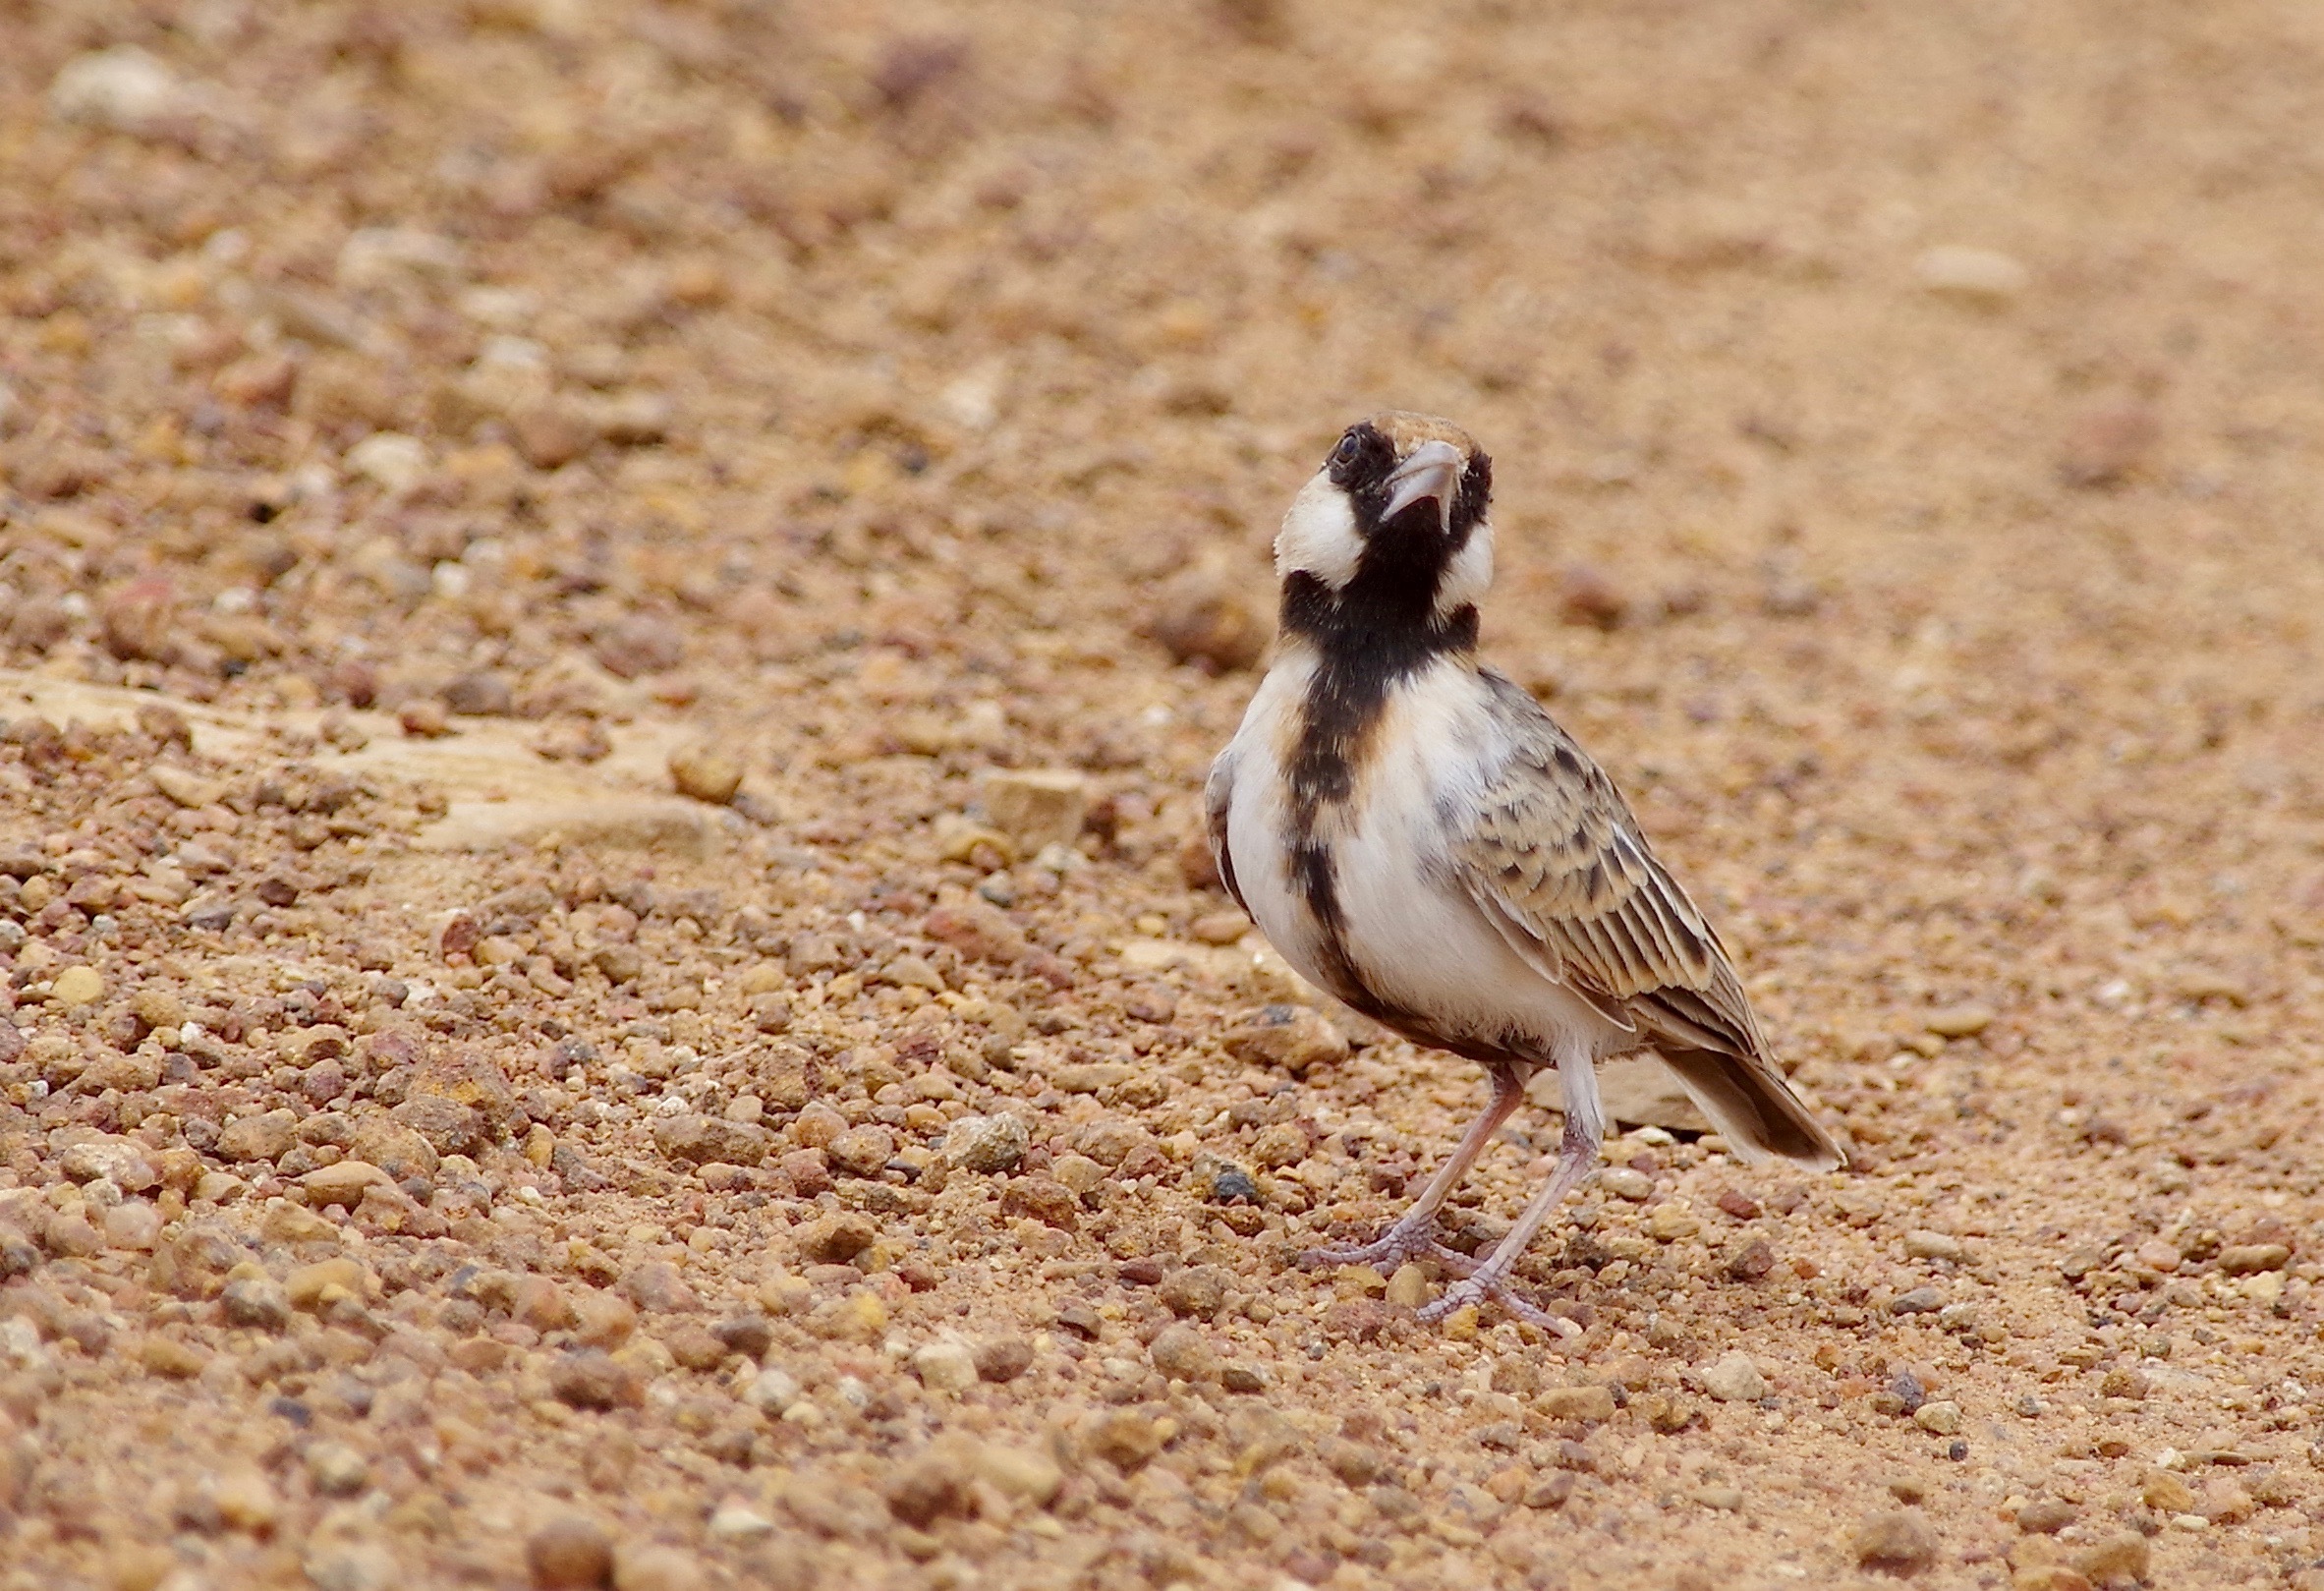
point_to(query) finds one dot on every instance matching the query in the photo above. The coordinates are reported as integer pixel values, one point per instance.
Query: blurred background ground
(457, 1135)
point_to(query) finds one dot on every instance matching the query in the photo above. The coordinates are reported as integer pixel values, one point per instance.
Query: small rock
(1205, 615)
(1021, 1474)
(167, 1356)
(2245, 1259)
(1588, 1404)
(1196, 1290)
(480, 695)
(2045, 1516)
(1671, 1221)
(1735, 1379)
(1002, 1359)
(696, 1347)
(2108, 444)
(1183, 1353)
(2119, 1560)
(1125, 1439)
(1898, 1541)
(395, 461)
(692, 1139)
(125, 88)
(771, 1390)
(307, 1284)
(1938, 1417)
(424, 719)
(343, 1183)
(1035, 806)
(1752, 1262)
(118, 1160)
(656, 1287)
(946, 1367)
(337, 1469)
(258, 1302)
(1043, 1199)
(1290, 1037)
(2127, 1381)
(837, 1238)
(592, 1379)
(1927, 1245)
(1408, 1287)
(265, 1137)
(987, 1144)
(569, 1553)
(1959, 1021)
(1985, 278)
(2165, 1493)
(747, 1335)
(77, 987)
(1918, 1301)
(862, 1151)
(1626, 1182)
(639, 643)
(132, 1224)
(706, 772)
(1586, 597)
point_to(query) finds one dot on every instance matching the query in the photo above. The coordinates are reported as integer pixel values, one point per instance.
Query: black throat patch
(1379, 631)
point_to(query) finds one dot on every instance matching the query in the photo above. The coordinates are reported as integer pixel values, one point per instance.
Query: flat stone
(1923, 1244)
(692, 1138)
(1959, 1021)
(2246, 1259)
(343, 1183)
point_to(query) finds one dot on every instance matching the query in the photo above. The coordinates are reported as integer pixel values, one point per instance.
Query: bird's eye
(1349, 447)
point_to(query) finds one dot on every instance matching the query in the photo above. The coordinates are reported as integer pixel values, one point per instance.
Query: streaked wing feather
(1556, 854)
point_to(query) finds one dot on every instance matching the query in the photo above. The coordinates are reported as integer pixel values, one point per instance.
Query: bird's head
(1392, 530)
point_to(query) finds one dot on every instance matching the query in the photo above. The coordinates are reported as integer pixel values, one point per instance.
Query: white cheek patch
(1470, 574)
(1319, 536)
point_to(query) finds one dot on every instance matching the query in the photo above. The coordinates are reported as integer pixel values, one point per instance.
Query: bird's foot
(1392, 1248)
(1484, 1285)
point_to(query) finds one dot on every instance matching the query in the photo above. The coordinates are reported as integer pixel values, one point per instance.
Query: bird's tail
(1754, 1109)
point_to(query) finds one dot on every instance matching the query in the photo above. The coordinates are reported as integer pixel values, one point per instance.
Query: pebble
(2123, 1557)
(264, 1137)
(690, 1138)
(395, 461)
(1983, 277)
(771, 1390)
(862, 1151)
(1125, 1439)
(1290, 1037)
(1735, 1379)
(706, 772)
(1408, 1288)
(1589, 1405)
(1898, 1541)
(1183, 1353)
(1035, 806)
(247, 1500)
(258, 1302)
(1003, 1358)
(1195, 1290)
(1671, 1221)
(1938, 1416)
(76, 987)
(343, 1183)
(337, 1469)
(1021, 1473)
(656, 1567)
(837, 1240)
(1959, 1021)
(1585, 595)
(987, 1144)
(2246, 1259)
(592, 1379)
(1922, 1244)
(2165, 1493)
(1205, 617)
(167, 1356)
(1626, 1183)
(132, 1224)
(569, 1553)
(125, 88)
(946, 1366)
(1917, 1301)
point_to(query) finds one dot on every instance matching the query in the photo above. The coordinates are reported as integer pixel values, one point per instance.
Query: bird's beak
(1433, 471)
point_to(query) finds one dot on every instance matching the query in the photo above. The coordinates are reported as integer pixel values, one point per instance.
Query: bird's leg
(1413, 1236)
(1577, 1158)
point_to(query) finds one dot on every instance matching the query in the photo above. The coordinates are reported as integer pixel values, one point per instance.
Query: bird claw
(1392, 1248)
(1481, 1287)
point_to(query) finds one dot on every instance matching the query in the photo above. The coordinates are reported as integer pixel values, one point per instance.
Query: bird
(1414, 834)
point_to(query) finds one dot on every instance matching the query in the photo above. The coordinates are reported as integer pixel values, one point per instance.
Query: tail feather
(1754, 1109)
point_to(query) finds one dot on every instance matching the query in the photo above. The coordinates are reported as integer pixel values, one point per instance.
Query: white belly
(1409, 928)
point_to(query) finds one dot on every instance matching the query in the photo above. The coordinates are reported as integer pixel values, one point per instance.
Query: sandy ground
(455, 1134)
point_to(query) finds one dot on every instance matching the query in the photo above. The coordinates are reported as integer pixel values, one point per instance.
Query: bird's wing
(1553, 856)
(1217, 797)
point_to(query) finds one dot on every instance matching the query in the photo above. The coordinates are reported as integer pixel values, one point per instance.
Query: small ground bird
(1416, 835)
